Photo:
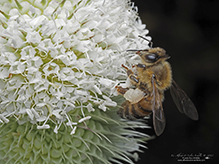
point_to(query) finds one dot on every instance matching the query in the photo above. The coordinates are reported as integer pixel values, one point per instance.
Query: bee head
(153, 55)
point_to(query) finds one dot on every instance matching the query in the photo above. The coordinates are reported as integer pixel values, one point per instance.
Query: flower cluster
(60, 61)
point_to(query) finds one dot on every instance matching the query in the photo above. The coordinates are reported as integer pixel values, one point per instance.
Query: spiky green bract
(101, 140)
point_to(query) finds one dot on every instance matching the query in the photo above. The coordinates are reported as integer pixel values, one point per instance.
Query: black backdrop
(189, 31)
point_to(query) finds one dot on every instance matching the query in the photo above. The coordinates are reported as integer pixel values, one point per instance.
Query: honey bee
(152, 77)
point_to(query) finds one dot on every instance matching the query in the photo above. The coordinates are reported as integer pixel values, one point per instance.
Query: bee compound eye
(151, 58)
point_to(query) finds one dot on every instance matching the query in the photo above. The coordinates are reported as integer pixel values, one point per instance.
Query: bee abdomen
(132, 111)
(124, 112)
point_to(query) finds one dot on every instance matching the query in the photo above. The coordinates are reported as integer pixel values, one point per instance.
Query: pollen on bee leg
(134, 95)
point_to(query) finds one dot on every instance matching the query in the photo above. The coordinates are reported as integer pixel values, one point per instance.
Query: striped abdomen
(137, 110)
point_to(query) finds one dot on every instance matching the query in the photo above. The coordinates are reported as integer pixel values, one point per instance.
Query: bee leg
(129, 71)
(133, 79)
(143, 87)
(124, 112)
(153, 78)
(121, 90)
(141, 66)
(131, 75)
(120, 112)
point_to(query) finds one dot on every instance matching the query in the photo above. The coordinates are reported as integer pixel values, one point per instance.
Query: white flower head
(59, 57)
(64, 55)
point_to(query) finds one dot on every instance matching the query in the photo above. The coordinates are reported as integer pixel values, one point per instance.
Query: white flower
(53, 58)
(59, 57)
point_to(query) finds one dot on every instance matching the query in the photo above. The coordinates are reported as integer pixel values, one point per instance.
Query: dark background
(189, 31)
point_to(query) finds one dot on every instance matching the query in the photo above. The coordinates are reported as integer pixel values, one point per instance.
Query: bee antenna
(133, 50)
(150, 42)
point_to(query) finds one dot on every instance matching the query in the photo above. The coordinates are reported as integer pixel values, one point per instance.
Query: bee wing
(183, 102)
(159, 120)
